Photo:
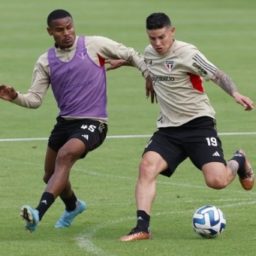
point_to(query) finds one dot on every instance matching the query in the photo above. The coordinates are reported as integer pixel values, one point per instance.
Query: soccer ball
(208, 221)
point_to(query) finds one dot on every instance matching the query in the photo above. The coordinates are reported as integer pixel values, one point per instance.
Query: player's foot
(31, 217)
(245, 173)
(67, 217)
(136, 234)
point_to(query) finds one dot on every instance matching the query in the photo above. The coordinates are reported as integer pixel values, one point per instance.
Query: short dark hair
(157, 20)
(57, 14)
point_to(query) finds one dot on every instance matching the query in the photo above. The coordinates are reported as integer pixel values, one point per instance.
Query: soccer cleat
(31, 217)
(135, 235)
(67, 217)
(245, 173)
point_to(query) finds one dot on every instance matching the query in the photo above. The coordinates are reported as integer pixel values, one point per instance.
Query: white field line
(125, 136)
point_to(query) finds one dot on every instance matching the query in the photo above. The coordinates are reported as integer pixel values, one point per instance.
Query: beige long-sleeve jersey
(98, 48)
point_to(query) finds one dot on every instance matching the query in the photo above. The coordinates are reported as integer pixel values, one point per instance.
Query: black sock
(143, 220)
(240, 159)
(70, 202)
(46, 201)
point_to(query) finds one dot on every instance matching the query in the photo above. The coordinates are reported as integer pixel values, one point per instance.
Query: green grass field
(225, 32)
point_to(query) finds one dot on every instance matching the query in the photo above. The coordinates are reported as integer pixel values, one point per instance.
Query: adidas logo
(44, 202)
(85, 136)
(216, 153)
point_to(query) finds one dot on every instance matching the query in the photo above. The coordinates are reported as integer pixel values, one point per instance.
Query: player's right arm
(7, 92)
(34, 96)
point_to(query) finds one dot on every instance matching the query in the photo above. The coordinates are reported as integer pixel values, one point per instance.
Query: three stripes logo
(203, 66)
(216, 153)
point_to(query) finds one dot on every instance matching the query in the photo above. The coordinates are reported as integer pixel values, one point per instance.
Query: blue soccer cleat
(31, 217)
(67, 217)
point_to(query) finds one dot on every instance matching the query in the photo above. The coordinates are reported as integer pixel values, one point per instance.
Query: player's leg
(218, 176)
(72, 140)
(67, 155)
(150, 166)
(57, 181)
(49, 164)
(73, 206)
(245, 170)
(161, 155)
(29, 214)
(59, 184)
(92, 134)
(205, 151)
(57, 139)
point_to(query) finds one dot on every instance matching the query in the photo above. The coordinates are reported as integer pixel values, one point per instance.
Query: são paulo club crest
(169, 64)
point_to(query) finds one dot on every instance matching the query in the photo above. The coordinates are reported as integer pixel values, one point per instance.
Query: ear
(49, 31)
(172, 31)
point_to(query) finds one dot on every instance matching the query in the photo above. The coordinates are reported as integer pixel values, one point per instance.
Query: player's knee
(216, 183)
(215, 175)
(145, 166)
(147, 170)
(65, 156)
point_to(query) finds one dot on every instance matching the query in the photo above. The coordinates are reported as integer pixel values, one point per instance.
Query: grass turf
(225, 32)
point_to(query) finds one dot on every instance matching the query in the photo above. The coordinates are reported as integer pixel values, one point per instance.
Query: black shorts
(91, 132)
(196, 139)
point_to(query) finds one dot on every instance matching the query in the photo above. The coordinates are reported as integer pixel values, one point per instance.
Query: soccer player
(75, 69)
(186, 124)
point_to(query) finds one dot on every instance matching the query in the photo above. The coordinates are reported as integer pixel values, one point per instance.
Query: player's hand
(7, 93)
(150, 90)
(114, 63)
(245, 101)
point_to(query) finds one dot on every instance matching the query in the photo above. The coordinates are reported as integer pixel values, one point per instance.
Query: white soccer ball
(208, 221)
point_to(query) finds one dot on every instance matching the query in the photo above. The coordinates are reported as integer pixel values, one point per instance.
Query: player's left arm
(203, 67)
(226, 83)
